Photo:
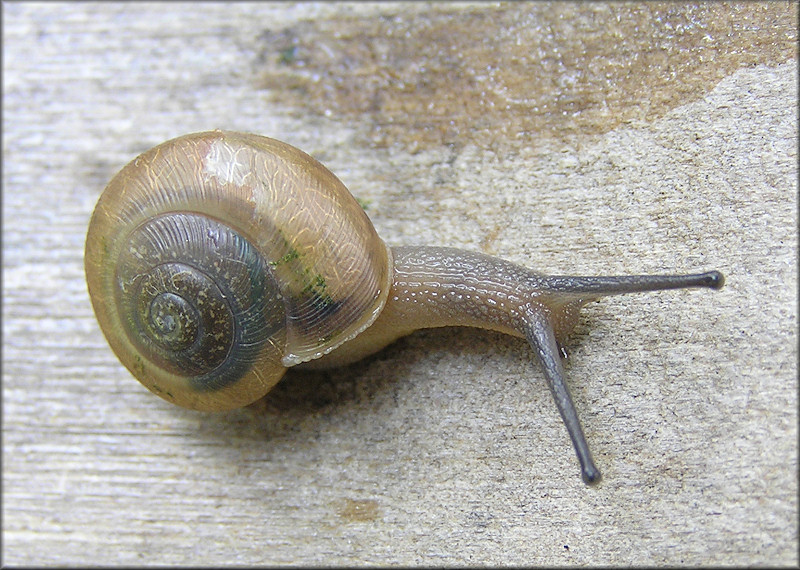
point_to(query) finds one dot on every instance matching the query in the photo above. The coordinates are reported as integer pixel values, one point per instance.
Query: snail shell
(216, 260)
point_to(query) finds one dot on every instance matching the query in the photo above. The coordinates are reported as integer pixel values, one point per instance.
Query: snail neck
(441, 286)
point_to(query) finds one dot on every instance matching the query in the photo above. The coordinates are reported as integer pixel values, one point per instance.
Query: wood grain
(444, 449)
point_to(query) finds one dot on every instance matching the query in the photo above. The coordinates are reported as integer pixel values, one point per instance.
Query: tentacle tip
(591, 475)
(715, 279)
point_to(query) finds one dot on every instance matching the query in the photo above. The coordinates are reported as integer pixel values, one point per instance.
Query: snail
(217, 260)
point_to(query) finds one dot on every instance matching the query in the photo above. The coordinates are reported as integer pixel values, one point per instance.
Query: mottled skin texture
(217, 259)
(439, 286)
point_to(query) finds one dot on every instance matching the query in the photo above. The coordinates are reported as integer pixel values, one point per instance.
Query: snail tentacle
(542, 338)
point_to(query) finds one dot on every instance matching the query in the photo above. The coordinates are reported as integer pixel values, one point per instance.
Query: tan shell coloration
(295, 267)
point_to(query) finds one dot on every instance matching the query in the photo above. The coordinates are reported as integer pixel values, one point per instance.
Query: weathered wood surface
(573, 138)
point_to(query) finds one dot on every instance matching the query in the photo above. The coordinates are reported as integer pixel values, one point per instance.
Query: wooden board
(588, 139)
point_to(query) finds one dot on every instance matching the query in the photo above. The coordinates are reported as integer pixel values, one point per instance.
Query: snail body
(217, 260)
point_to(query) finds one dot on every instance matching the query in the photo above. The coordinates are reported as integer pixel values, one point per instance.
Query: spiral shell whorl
(198, 296)
(215, 260)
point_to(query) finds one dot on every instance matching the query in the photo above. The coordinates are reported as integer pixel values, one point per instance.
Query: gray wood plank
(570, 138)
